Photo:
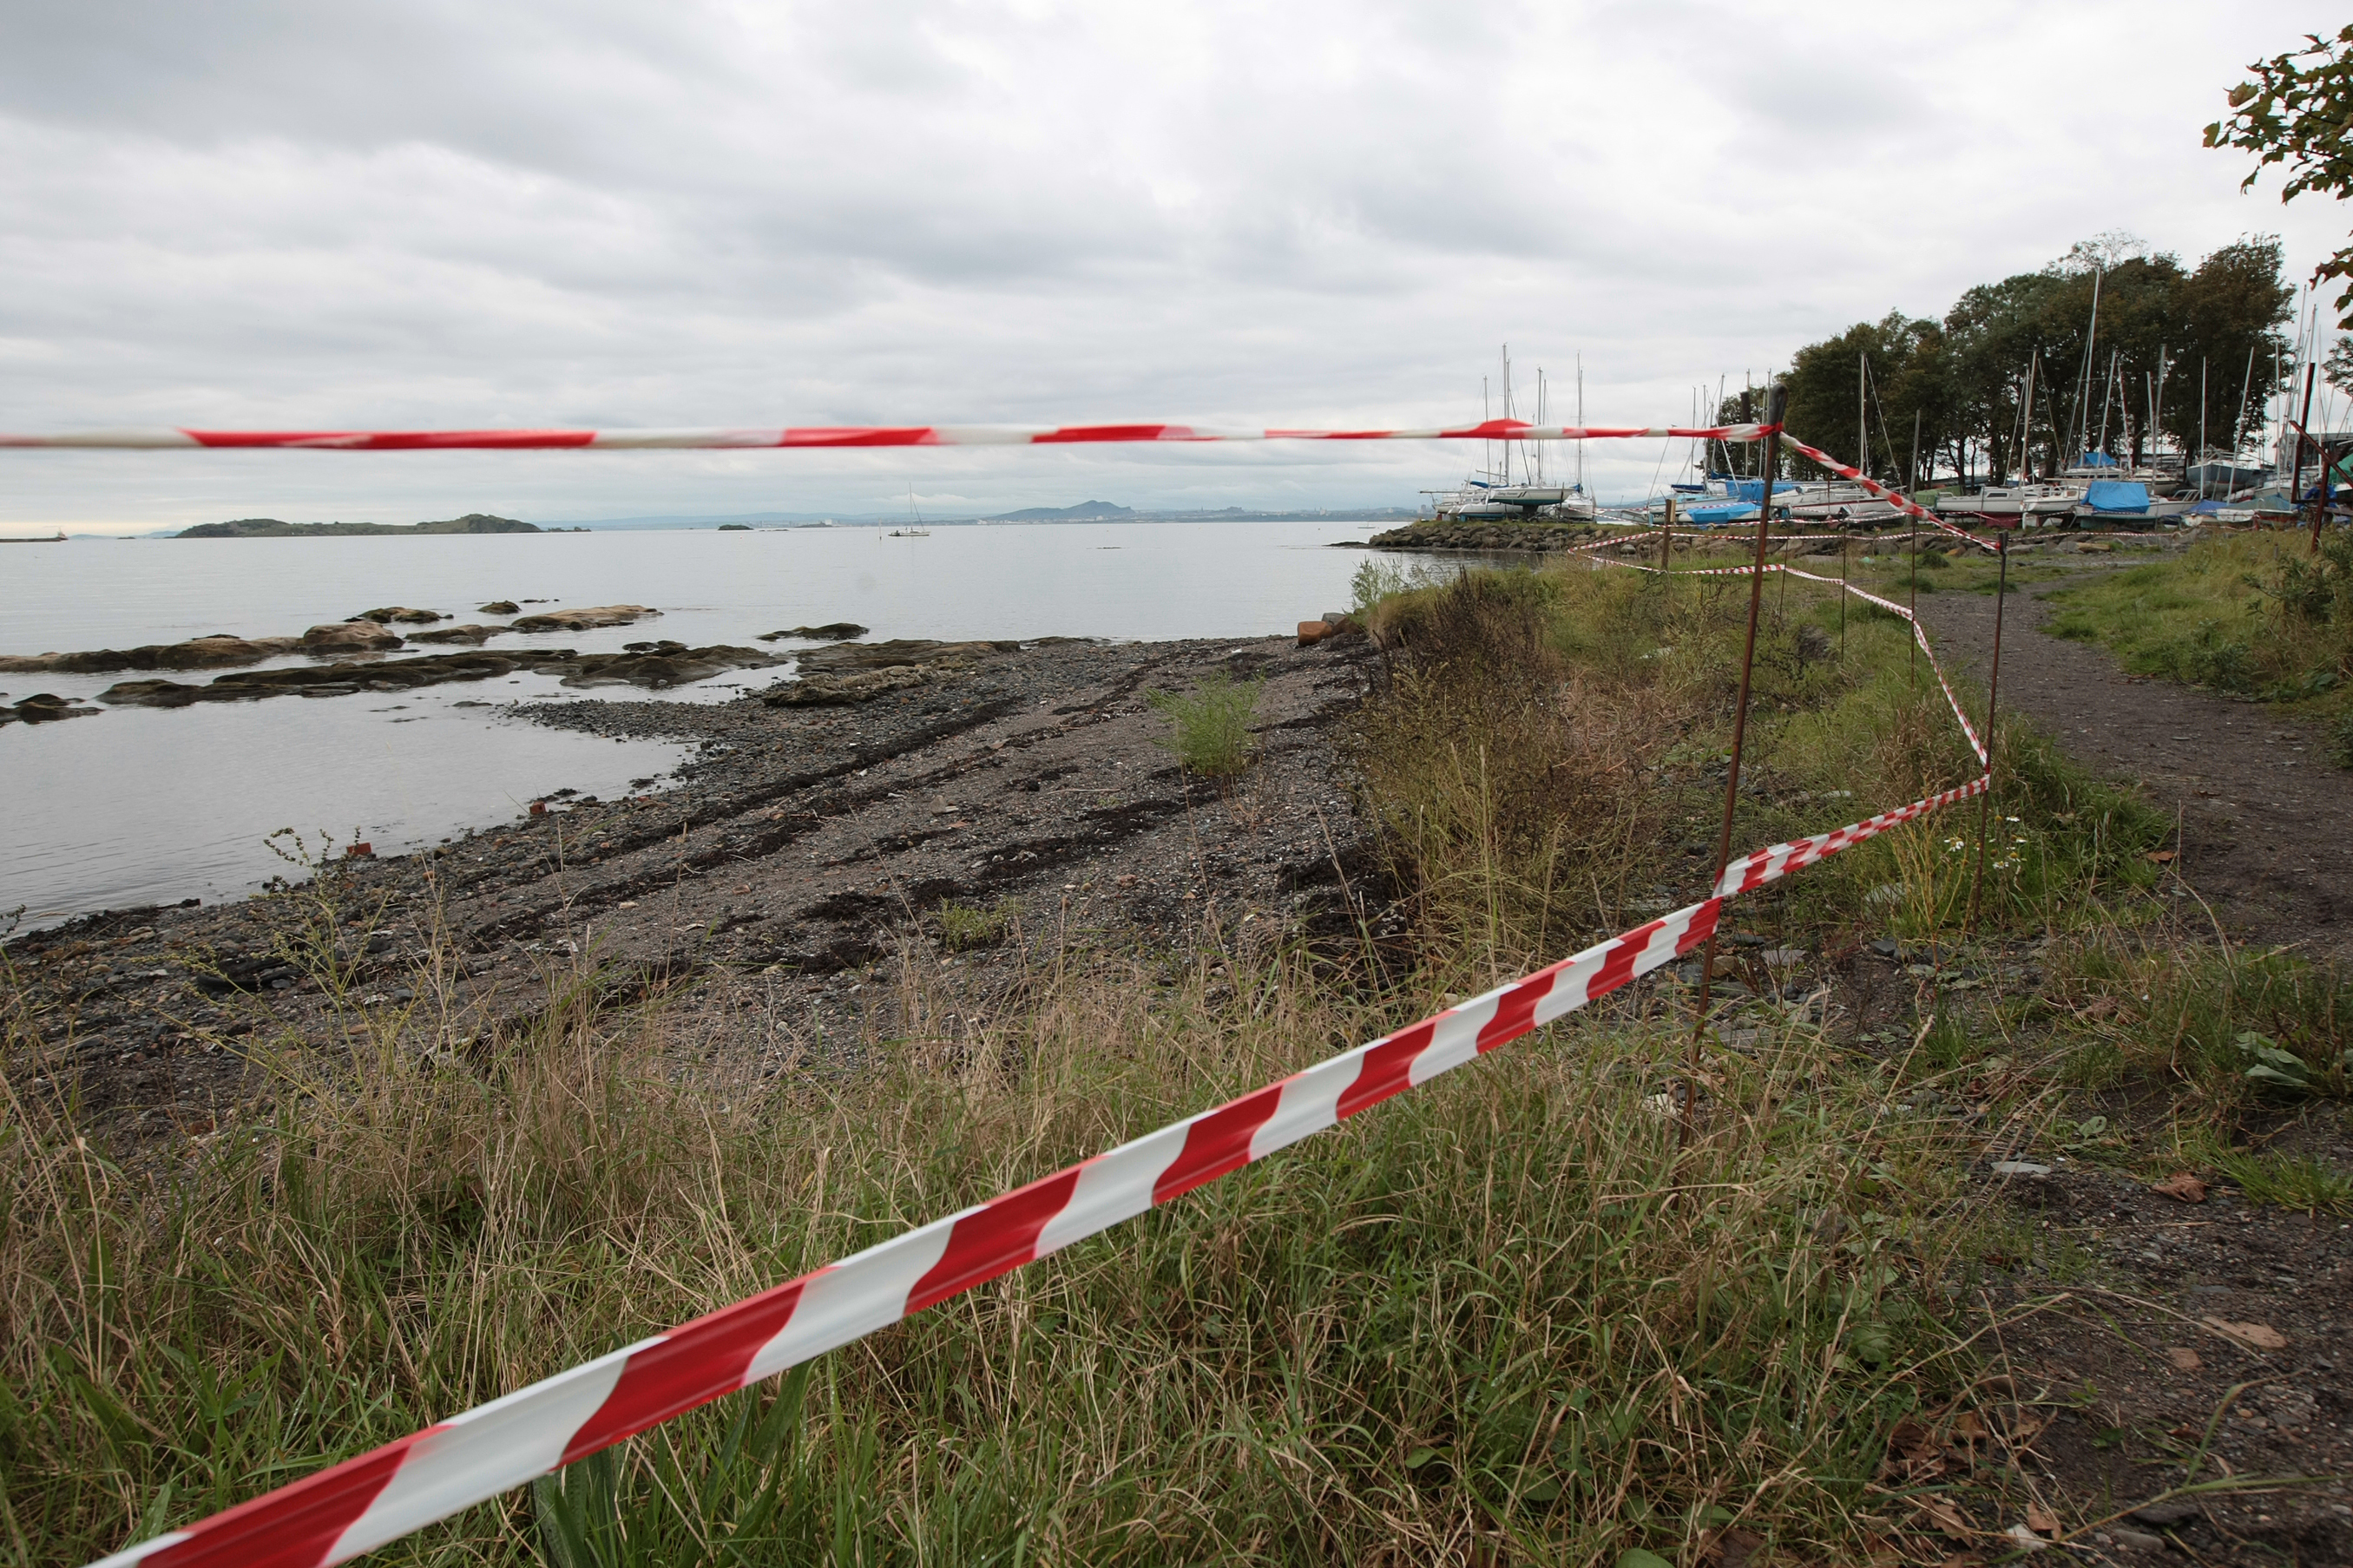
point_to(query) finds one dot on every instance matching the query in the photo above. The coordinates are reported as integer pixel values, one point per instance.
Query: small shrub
(964, 926)
(1377, 579)
(2340, 740)
(1210, 728)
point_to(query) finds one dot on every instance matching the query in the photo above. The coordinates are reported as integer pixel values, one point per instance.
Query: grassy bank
(1515, 1316)
(2250, 614)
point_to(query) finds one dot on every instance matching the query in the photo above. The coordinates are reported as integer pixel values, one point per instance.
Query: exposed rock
(219, 651)
(1312, 632)
(472, 632)
(581, 620)
(839, 690)
(499, 607)
(348, 636)
(847, 655)
(401, 613)
(832, 631)
(40, 708)
(665, 666)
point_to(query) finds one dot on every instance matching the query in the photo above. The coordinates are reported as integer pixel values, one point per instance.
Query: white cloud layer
(260, 213)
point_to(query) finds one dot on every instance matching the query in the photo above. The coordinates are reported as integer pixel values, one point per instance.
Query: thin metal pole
(2202, 427)
(2324, 452)
(1993, 695)
(1768, 461)
(1913, 489)
(2303, 427)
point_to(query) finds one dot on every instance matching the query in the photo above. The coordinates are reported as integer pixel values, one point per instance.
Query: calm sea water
(142, 805)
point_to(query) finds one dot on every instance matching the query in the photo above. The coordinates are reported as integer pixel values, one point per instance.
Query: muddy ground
(2134, 1323)
(2264, 818)
(1017, 799)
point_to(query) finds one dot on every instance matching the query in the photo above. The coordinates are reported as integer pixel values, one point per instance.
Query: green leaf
(1635, 1557)
(1419, 1457)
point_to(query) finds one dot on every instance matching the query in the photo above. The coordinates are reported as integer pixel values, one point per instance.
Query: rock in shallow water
(653, 669)
(832, 631)
(218, 651)
(348, 636)
(585, 619)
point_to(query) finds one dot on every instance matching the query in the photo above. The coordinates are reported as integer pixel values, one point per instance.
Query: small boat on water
(908, 533)
(57, 538)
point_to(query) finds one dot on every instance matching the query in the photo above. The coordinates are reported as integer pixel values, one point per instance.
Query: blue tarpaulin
(1753, 489)
(2116, 495)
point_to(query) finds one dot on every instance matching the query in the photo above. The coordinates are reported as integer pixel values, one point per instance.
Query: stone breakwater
(1484, 537)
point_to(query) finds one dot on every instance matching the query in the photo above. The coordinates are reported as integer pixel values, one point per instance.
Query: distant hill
(1085, 511)
(271, 528)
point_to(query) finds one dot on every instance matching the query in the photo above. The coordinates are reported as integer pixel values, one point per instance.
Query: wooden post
(1667, 544)
(1768, 461)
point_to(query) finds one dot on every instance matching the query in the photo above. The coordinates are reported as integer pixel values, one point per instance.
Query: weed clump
(963, 926)
(1211, 727)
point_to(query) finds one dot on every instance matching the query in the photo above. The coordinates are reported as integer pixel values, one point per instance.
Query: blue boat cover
(1753, 489)
(2116, 495)
(1721, 511)
(2096, 460)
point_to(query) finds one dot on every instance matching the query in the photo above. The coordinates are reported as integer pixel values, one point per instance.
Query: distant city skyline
(432, 215)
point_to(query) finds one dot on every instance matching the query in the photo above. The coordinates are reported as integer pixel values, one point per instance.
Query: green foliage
(2294, 111)
(966, 926)
(2290, 1182)
(1377, 578)
(1962, 376)
(2250, 614)
(1492, 1298)
(1211, 727)
(2238, 1025)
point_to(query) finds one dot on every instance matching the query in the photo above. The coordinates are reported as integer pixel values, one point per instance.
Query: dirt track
(2264, 815)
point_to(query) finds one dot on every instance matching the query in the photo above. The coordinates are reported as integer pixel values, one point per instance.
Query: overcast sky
(273, 213)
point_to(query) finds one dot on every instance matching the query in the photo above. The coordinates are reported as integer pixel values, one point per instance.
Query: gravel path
(2264, 817)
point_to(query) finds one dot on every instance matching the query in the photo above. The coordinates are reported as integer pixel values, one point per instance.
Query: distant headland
(271, 528)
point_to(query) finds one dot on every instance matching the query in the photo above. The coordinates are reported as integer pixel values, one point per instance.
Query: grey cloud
(606, 213)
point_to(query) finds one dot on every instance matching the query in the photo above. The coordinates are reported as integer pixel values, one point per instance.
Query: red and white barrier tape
(1903, 503)
(851, 436)
(378, 1497)
(381, 1496)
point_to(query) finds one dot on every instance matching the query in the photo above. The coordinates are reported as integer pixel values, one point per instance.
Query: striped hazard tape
(175, 438)
(365, 1503)
(1903, 503)
(378, 1497)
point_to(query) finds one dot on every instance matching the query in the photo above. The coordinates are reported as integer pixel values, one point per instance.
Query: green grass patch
(2249, 614)
(1210, 727)
(2290, 1182)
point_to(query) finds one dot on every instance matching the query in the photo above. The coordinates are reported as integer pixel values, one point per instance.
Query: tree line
(2180, 344)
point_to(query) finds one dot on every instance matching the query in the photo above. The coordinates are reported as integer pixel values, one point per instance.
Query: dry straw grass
(1503, 1317)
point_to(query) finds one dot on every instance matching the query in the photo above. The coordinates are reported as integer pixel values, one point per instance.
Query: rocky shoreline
(991, 795)
(1485, 538)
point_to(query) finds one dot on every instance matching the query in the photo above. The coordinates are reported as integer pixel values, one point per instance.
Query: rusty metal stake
(1993, 695)
(1771, 459)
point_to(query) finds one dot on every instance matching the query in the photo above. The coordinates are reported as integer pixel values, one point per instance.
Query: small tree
(2298, 110)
